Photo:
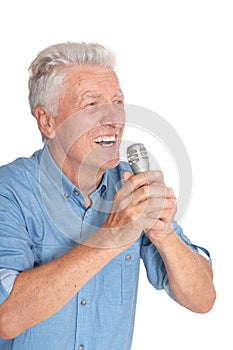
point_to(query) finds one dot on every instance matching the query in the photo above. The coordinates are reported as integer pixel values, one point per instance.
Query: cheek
(76, 143)
(81, 144)
(75, 129)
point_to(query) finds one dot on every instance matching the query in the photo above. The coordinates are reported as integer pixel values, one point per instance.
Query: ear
(46, 123)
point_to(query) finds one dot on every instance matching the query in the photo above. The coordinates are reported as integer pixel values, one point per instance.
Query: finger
(127, 175)
(159, 228)
(159, 175)
(168, 191)
(119, 195)
(133, 182)
(145, 178)
(157, 190)
(150, 210)
(165, 216)
(169, 214)
(158, 204)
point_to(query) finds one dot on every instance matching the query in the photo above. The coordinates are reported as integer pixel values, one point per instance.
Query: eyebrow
(118, 94)
(94, 95)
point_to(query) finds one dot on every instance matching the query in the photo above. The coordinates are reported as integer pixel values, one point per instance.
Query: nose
(113, 115)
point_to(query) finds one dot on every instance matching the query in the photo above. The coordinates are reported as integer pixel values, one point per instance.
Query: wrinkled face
(90, 119)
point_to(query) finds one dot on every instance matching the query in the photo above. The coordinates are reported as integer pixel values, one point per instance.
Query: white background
(175, 58)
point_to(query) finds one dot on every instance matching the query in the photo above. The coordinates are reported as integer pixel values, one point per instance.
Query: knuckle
(145, 190)
(159, 175)
(163, 189)
(170, 192)
(159, 188)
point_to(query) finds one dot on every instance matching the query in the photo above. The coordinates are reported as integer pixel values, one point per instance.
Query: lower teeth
(105, 143)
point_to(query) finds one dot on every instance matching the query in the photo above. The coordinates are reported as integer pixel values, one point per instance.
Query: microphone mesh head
(138, 158)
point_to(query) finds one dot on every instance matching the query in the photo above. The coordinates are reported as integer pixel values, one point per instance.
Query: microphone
(138, 158)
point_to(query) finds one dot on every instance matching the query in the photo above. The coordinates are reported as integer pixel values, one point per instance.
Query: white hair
(47, 70)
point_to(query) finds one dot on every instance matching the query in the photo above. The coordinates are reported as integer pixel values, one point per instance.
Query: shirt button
(83, 302)
(81, 347)
(66, 195)
(76, 193)
(128, 257)
(86, 214)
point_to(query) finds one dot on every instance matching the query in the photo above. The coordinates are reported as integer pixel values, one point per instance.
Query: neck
(82, 175)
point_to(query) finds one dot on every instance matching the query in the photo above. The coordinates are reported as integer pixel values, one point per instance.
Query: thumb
(127, 175)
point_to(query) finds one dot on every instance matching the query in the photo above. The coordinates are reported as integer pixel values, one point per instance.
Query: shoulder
(16, 172)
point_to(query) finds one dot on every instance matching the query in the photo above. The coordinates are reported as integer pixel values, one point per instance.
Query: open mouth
(105, 140)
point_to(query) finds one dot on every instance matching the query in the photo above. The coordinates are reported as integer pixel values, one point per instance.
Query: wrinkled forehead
(90, 75)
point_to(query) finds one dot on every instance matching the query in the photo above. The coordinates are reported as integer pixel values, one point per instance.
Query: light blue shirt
(42, 217)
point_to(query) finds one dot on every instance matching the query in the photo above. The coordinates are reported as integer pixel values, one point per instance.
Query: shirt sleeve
(16, 253)
(155, 268)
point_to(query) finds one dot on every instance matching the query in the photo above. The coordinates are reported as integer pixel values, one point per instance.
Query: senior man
(74, 221)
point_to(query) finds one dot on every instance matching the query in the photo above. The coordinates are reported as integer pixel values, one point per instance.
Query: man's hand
(143, 203)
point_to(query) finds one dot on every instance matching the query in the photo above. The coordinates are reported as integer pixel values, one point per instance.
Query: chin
(110, 164)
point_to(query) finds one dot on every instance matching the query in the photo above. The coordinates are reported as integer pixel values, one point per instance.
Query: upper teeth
(105, 139)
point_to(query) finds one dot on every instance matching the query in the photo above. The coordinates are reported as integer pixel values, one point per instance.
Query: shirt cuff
(7, 279)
